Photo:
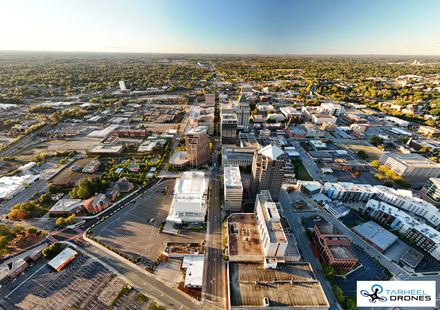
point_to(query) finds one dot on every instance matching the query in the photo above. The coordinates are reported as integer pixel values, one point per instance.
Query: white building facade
(190, 198)
(233, 188)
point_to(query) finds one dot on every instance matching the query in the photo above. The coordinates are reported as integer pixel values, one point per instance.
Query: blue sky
(226, 26)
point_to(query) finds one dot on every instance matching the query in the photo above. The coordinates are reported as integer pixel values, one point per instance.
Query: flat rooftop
(232, 177)
(244, 237)
(289, 285)
(328, 229)
(342, 252)
(412, 257)
(184, 248)
(413, 160)
(376, 234)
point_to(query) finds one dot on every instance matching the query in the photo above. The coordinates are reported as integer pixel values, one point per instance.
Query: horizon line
(218, 53)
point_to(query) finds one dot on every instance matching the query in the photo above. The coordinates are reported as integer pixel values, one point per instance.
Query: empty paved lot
(135, 230)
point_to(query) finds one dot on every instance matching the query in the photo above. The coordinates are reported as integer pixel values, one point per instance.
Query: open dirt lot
(373, 152)
(135, 230)
(80, 145)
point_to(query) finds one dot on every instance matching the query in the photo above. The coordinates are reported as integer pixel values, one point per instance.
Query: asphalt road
(147, 284)
(213, 288)
(306, 252)
(25, 195)
(24, 142)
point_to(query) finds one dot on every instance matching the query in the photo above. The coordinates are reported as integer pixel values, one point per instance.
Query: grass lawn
(301, 171)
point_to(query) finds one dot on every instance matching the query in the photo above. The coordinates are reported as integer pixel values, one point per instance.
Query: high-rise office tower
(268, 170)
(243, 111)
(197, 145)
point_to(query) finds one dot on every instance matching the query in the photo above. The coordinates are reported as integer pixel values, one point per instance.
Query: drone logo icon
(376, 289)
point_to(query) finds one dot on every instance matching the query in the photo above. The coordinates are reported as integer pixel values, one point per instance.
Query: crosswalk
(65, 236)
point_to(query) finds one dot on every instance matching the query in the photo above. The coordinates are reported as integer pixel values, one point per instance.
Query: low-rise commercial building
(319, 119)
(410, 165)
(67, 207)
(11, 186)
(193, 265)
(376, 235)
(63, 259)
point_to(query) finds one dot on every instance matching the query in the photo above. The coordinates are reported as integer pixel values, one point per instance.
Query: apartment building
(421, 235)
(431, 191)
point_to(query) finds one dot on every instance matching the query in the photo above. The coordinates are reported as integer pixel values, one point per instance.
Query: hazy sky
(223, 26)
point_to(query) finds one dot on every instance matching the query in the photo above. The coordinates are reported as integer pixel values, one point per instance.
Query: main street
(213, 284)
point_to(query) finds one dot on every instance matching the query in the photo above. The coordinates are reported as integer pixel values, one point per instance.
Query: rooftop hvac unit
(265, 302)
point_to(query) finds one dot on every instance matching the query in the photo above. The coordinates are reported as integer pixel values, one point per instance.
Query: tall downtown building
(243, 111)
(197, 146)
(268, 170)
(228, 126)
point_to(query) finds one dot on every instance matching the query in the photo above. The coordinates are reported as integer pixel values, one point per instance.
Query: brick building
(333, 247)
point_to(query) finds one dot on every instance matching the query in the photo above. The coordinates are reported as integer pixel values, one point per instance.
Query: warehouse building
(376, 235)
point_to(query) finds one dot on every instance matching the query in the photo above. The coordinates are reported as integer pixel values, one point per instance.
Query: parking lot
(78, 286)
(369, 270)
(135, 230)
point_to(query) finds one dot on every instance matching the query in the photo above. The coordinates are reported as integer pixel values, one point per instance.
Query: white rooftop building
(194, 270)
(189, 201)
(290, 112)
(233, 188)
(331, 108)
(11, 186)
(402, 199)
(103, 132)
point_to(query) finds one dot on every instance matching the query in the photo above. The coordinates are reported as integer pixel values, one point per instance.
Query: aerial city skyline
(219, 155)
